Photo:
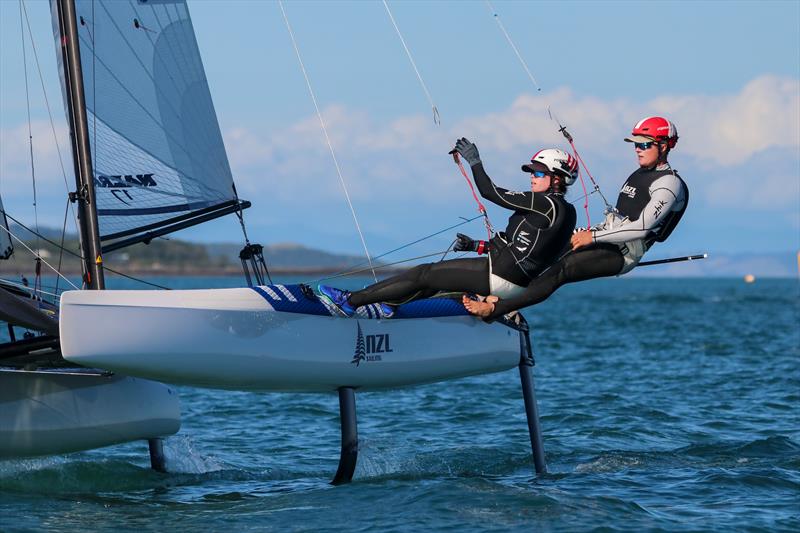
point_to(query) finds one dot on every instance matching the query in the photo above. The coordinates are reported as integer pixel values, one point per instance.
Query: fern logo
(360, 353)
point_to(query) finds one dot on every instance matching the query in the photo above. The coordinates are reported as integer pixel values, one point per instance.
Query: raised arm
(514, 200)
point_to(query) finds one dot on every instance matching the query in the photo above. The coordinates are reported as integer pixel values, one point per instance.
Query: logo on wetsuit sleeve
(368, 347)
(629, 190)
(659, 206)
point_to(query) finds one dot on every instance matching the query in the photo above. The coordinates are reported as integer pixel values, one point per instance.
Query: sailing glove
(465, 244)
(468, 151)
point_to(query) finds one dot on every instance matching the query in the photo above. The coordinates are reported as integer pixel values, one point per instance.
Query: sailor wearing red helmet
(539, 228)
(649, 206)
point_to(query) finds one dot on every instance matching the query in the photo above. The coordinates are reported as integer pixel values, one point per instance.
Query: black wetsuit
(537, 231)
(650, 205)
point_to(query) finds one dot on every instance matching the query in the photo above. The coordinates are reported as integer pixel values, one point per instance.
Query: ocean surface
(666, 404)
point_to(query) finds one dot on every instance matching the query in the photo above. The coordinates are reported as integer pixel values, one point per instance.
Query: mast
(81, 152)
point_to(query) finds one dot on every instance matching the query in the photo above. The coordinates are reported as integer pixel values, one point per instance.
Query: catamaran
(149, 160)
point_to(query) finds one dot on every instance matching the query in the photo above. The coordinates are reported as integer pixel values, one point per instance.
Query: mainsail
(157, 151)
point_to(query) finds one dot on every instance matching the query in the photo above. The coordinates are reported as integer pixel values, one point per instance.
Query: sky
(728, 75)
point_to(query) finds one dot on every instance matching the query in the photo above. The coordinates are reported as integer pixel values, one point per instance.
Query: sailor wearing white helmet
(538, 229)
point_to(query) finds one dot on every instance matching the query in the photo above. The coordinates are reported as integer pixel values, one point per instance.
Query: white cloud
(527, 122)
(730, 129)
(726, 142)
(722, 130)
(406, 156)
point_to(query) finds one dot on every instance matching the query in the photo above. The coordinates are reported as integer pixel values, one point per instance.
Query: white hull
(234, 339)
(52, 412)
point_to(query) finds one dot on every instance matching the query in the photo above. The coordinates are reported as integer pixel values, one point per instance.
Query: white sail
(157, 151)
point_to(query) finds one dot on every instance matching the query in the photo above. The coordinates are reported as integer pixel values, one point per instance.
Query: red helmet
(654, 129)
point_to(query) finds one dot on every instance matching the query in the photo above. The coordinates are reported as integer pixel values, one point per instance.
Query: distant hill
(290, 255)
(175, 256)
(49, 233)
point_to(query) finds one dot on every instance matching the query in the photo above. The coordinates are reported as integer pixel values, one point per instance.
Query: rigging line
(384, 254)
(436, 119)
(39, 257)
(562, 128)
(481, 207)
(47, 104)
(568, 137)
(45, 239)
(30, 133)
(240, 215)
(582, 197)
(327, 138)
(63, 235)
(351, 272)
(79, 256)
(513, 46)
(448, 249)
(26, 287)
(583, 186)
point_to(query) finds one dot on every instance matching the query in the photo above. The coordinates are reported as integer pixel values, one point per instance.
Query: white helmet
(555, 161)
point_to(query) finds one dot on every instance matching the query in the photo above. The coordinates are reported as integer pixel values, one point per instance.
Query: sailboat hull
(239, 339)
(60, 411)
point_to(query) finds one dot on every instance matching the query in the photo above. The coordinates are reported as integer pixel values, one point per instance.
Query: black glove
(468, 151)
(465, 244)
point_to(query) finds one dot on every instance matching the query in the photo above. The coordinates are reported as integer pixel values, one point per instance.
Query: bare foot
(481, 309)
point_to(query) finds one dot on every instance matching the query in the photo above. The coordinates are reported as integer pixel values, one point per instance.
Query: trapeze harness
(537, 231)
(649, 207)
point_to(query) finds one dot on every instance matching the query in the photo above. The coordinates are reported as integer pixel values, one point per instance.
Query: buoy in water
(749, 278)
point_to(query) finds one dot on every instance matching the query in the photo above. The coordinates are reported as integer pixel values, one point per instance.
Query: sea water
(666, 404)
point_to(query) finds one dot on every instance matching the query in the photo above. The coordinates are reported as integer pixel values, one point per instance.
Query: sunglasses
(540, 174)
(644, 146)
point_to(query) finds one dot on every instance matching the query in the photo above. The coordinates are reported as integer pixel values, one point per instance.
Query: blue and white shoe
(338, 299)
(387, 311)
(378, 310)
